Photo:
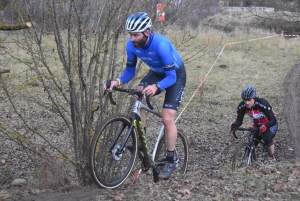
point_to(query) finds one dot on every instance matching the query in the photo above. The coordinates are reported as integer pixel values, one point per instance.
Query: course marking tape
(233, 43)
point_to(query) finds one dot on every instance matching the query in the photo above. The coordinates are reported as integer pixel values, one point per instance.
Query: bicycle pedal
(176, 163)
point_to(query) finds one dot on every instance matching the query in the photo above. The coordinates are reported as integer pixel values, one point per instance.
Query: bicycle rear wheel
(181, 154)
(242, 156)
(109, 169)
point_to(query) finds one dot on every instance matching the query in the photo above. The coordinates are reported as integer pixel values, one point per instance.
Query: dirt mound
(292, 106)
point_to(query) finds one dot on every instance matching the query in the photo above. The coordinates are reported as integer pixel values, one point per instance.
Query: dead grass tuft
(51, 176)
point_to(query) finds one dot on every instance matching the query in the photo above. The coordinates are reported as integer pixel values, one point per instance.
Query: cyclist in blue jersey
(167, 72)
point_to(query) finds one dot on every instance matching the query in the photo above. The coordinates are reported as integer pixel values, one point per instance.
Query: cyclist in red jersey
(263, 117)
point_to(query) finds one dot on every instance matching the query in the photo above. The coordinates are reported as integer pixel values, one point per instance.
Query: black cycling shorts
(266, 136)
(174, 93)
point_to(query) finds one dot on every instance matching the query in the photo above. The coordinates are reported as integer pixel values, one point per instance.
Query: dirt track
(292, 106)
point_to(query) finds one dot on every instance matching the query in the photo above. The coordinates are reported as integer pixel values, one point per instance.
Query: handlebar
(244, 129)
(130, 92)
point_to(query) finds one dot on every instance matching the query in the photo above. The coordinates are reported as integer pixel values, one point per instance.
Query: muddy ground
(204, 179)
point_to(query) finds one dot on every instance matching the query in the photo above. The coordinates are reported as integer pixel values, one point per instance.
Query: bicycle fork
(117, 150)
(263, 154)
(251, 151)
(250, 156)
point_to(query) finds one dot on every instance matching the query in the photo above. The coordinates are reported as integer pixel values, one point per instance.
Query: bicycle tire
(106, 170)
(181, 151)
(241, 156)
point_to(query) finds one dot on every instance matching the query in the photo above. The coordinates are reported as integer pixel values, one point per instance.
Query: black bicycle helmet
(138, 22)
(248, 92)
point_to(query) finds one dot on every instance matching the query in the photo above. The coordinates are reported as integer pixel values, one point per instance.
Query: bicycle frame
(252, 144)
(137, 121)
(136, 116)
(263, 145)
(252, 148)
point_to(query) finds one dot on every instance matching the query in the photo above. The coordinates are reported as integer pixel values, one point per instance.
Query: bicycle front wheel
(109, 165)
(181, 154)
(242, 156)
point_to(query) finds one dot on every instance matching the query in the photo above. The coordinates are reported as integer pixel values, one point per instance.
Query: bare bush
(54, 99)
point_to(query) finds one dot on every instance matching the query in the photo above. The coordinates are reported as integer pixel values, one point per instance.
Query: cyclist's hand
(251, 127)
(233, 127)
(263, 128)
(150, 90)
(108, 88)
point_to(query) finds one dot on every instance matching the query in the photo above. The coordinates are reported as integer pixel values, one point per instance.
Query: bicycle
(245, 154)
(111, 162)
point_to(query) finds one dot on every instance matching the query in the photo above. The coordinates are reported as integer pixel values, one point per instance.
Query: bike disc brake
(117, 153)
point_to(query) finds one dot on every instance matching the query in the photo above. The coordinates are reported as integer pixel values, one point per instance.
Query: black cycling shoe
(167, 170)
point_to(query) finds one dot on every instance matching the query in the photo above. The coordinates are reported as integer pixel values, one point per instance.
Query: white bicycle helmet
(138, 22)
(248, 92)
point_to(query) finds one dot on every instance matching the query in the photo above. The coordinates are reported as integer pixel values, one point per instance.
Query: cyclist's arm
(168, 60)
(268, 111)
(127, 74)
(169, 80)
(240, 117)
(130, 69)
(272, 120)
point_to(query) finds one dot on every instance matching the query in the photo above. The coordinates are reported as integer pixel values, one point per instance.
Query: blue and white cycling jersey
(159, 54)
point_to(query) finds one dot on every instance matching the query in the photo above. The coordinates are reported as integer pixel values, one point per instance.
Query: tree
(286, 17)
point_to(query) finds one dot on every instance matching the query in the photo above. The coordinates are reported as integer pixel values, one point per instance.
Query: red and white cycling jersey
(261, 113)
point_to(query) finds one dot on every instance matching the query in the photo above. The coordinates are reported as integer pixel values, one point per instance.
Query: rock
(19, 182)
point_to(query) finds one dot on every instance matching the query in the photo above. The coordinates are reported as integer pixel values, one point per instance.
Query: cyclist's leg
(256, 135)
(168, 119)
(268, 138)
(150, 78)
(172, 101)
